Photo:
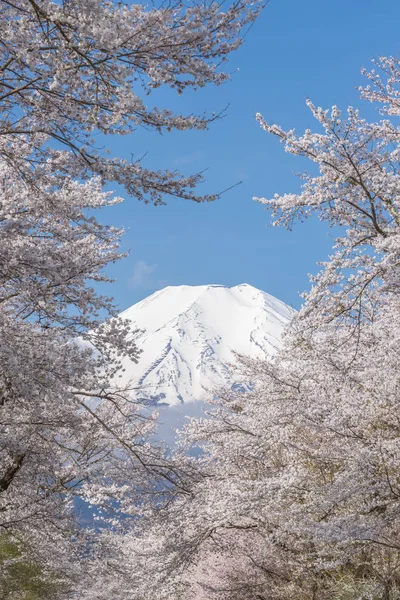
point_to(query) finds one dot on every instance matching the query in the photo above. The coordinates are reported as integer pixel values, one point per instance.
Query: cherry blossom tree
(299, 492)
(73, 72)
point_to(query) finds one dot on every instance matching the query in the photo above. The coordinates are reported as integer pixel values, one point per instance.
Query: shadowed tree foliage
(24, 578)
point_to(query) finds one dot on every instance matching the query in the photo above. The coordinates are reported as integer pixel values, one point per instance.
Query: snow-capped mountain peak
(189, 334)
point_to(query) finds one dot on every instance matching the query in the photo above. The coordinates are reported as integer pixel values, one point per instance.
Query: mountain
(189, 334)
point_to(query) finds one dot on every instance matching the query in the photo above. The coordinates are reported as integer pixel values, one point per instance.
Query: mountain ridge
(189, 334)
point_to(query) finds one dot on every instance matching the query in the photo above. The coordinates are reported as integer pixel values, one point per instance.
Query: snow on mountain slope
(190, 333)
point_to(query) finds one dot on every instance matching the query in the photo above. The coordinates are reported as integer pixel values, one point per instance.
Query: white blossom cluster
(73, 69)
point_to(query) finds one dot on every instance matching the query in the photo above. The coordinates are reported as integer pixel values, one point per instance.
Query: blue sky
(297, 49)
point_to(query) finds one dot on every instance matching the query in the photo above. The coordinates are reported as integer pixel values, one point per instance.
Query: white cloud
(142, 275)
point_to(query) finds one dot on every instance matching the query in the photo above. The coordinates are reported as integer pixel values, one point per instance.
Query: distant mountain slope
(190, 333)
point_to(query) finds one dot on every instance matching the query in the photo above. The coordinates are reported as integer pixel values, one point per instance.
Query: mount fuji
(189, 335)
